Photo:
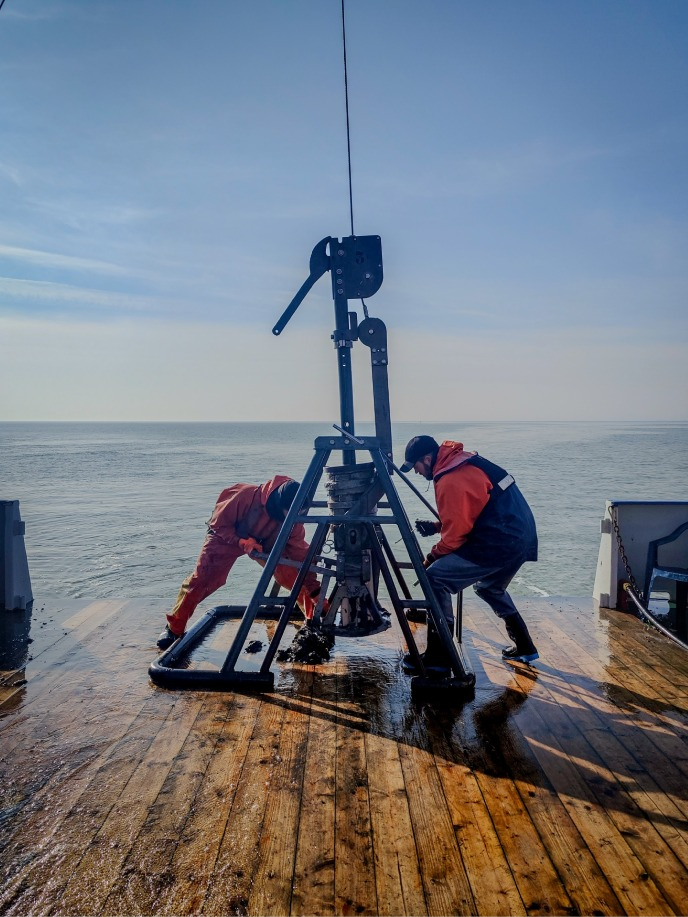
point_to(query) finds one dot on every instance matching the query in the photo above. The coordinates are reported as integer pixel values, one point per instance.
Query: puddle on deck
(366, 683)
(211, 651)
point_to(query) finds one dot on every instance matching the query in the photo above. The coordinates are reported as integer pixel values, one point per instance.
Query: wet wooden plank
(57, 852)
(494, 889)
(271, 891)
(313, 887)
(398, 882)
(445, 882)
(612, 774)
(630, 681)
(567, 778)
(355, 891)
(660, 653)
(585, 882)
(239, 853)
(665, 720)
(74, 738)
(145, 876)
(623, 729)
(54, 677)
(110, 850)
(574, 771)
(11, 684)
(623, 870)
(194, 859)
(536, 877)
(540, 843)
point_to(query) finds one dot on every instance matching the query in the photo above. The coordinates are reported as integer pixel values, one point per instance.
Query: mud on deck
(562, 788)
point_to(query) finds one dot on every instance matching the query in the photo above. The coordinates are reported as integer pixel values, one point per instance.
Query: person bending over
(487, 531)
(246, 518)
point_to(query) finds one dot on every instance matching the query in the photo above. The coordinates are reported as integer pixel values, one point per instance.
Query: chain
(622, 555)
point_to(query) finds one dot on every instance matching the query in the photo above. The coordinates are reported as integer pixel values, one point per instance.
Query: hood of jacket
(450, 456)
(271, 485)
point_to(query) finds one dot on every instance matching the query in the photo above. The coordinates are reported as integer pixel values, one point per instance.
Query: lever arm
(319, 265)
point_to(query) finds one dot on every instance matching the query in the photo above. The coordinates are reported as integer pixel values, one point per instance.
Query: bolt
(371, 331)
(341, 251)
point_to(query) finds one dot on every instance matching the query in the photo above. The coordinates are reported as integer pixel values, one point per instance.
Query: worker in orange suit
(246, 518)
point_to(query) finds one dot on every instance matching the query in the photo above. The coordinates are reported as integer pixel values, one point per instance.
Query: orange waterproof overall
(240, 513)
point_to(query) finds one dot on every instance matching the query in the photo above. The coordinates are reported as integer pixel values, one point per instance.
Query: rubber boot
(435, 658)
(524, 651)
(167, 638)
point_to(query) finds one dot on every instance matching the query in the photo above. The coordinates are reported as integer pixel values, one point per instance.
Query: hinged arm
(319, 265)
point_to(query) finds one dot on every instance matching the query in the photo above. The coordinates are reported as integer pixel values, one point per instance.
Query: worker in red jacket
(487, 531)
(246, 518)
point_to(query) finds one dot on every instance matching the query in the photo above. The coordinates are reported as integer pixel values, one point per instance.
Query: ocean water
(119, 509)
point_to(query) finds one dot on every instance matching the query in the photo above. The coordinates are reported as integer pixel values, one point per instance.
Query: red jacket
(484, 517)
(240, 513)
(461, 497)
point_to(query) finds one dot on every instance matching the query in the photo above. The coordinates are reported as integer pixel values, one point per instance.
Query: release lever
(319, 265)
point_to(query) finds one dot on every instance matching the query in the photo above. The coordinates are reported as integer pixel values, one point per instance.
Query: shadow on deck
(560, 789)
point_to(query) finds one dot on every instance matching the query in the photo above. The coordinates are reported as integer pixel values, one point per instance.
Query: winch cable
(348, 135)
(348, 126)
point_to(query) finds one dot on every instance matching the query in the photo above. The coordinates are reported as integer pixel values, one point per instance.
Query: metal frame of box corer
(363, 553)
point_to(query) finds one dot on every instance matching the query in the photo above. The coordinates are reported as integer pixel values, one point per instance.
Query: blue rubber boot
(524, 651)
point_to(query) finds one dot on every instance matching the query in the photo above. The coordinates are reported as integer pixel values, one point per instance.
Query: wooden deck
(561, 789)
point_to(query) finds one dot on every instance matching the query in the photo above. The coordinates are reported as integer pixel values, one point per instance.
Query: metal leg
(307, 487)
(458, 617)
(315, 548)
(396, 603)
(394, 564)
(459, 664)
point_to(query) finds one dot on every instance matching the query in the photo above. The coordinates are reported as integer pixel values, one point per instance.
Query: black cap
(416, 448)
(281, 499)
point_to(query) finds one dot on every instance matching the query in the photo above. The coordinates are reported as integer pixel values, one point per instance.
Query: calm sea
(118, 509)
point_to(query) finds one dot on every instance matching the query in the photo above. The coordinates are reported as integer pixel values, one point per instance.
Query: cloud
(35, 257)
(12, 173)
(40, 11)
(64, 297)
(489, 173)
(87, 216)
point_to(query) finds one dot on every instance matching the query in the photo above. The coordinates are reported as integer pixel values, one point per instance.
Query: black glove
(426, 527)
(429, 559)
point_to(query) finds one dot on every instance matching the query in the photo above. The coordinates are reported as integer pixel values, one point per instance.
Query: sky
(167, 167)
